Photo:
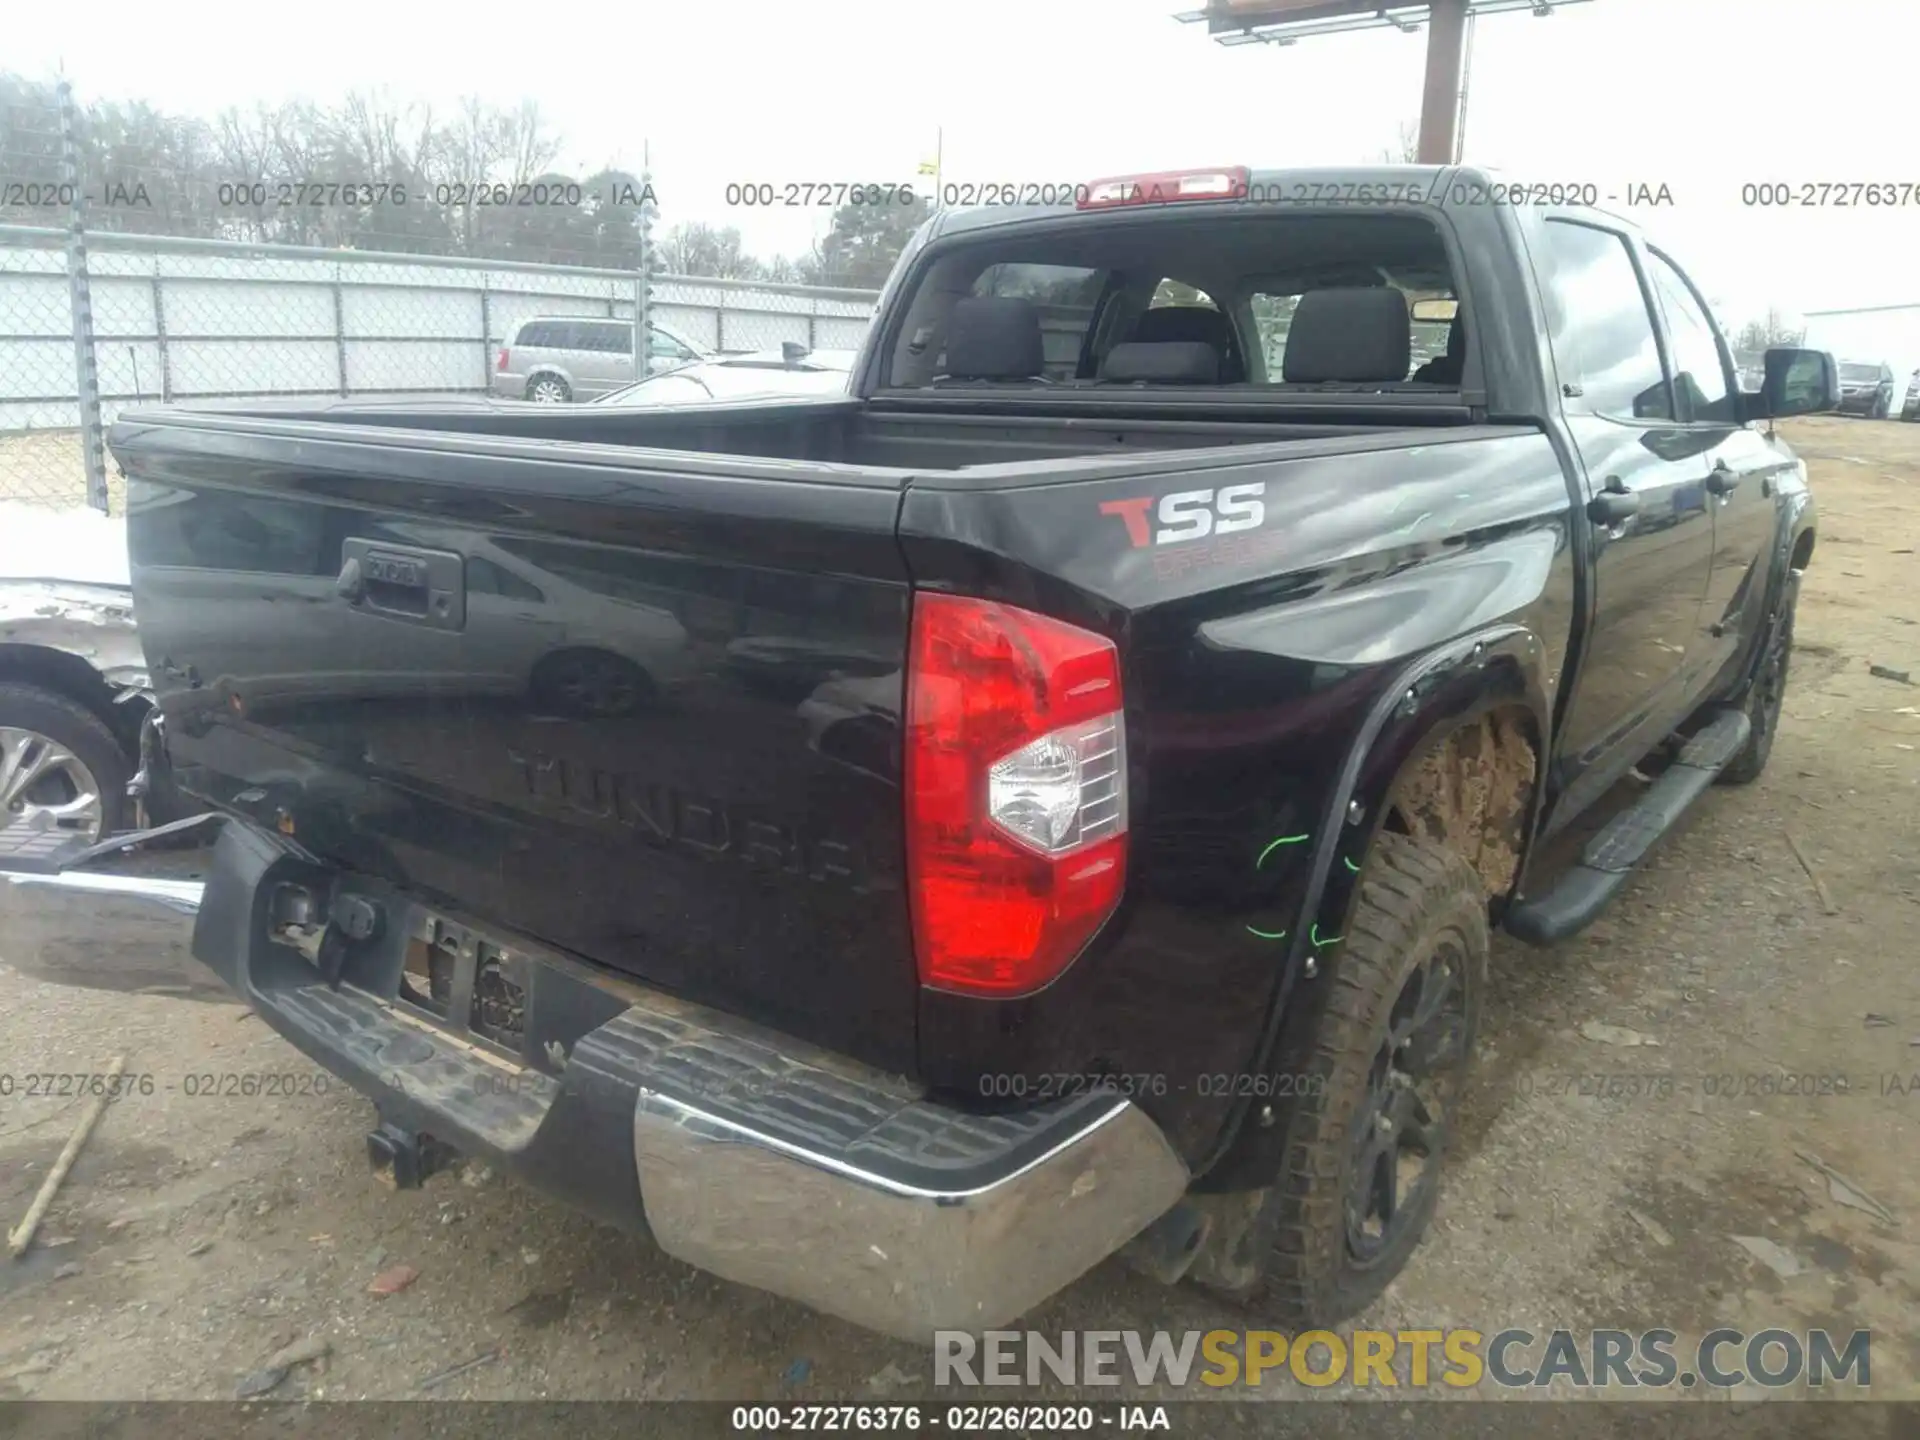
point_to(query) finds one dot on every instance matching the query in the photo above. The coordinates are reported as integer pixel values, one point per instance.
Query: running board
(1579, 896)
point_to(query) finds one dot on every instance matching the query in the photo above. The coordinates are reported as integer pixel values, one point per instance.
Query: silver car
(557, 358)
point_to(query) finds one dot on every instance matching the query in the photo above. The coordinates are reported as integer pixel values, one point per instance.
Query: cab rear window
(1247, 298)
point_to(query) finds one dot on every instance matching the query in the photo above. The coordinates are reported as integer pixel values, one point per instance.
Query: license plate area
(467, 983)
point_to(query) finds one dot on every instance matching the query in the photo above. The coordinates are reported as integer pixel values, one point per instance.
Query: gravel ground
(198, 1234)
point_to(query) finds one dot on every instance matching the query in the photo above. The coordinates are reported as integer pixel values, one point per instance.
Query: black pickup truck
(901, 849)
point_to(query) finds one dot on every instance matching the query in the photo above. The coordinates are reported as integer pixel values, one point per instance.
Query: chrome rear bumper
(129, 928)
(902, 1258)
(740, 1151)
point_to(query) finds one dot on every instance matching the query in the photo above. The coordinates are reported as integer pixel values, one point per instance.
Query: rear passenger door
(1649, 529)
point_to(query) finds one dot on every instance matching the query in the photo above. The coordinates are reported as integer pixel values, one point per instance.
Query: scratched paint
(1272, 846)
(1275, 845)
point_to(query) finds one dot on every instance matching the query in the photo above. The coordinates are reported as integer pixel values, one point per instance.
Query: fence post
(486, 335)
(643, 280)
(93, 455)
(340, 328)
(160, 333)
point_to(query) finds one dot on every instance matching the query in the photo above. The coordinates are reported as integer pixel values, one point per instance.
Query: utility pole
(1440, 101)
(1448, 23)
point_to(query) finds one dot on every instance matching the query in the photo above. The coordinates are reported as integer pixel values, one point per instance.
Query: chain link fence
(96, 321)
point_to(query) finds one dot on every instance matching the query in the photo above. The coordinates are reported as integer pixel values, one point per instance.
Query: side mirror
(1799, 382)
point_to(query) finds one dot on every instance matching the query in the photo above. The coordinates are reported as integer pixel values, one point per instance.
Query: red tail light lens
(1016, 793)
(501, 363)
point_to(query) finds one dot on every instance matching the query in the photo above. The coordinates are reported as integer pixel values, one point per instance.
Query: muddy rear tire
(1365, 1143)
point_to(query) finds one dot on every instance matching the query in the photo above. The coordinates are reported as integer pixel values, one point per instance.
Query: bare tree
(1770, 330)
(238, 176)
(1406, 147)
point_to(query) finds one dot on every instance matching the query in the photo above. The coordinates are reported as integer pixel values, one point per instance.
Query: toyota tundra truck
(900, 850)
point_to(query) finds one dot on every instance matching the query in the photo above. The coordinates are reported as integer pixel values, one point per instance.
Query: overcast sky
(1700, 95)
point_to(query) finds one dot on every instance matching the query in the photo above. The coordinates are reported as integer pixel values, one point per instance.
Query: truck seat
(994, 337)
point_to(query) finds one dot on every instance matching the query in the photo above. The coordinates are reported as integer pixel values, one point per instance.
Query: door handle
(1613, 504)
(351, 583)
(1722, 479)
(401, 582)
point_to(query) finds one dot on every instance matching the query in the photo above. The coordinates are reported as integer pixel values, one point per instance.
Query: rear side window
(1603, 331)
(609, 339)
(537, 333)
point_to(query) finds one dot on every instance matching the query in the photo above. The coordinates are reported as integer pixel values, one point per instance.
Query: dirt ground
(197, 1234)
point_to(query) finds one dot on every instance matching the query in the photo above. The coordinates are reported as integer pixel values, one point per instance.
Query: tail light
(1016, 793)
(501, 363)
(1165, 186)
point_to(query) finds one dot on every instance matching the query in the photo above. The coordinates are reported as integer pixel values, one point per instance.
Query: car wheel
(1882, 407)
(549, 390)
(1764, 706)
(60, 767)
(1360, 1165)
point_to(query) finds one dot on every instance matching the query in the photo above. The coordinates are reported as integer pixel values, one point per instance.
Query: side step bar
(1579, 896)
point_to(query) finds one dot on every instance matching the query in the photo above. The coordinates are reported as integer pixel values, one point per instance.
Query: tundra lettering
(664, 815)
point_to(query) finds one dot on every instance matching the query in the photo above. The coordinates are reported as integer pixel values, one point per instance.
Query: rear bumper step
(741, 1151)
(1578, 896)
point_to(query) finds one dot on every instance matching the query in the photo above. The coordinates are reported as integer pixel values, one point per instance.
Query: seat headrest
(991, 337)
(1184, 322)
(1165, 362)
(1356, 335)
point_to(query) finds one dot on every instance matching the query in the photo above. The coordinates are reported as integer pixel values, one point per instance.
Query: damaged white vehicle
(75, 707)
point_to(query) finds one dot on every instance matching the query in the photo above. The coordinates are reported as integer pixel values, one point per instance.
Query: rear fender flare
(1796, 531)
(1427, 699)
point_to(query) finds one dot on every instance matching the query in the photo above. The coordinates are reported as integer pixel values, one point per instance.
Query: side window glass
(1699, 377)
(1604, 333)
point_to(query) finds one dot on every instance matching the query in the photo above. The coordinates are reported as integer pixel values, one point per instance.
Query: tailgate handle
(402, 582)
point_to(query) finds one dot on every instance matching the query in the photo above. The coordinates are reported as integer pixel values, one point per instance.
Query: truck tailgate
(647, 715)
